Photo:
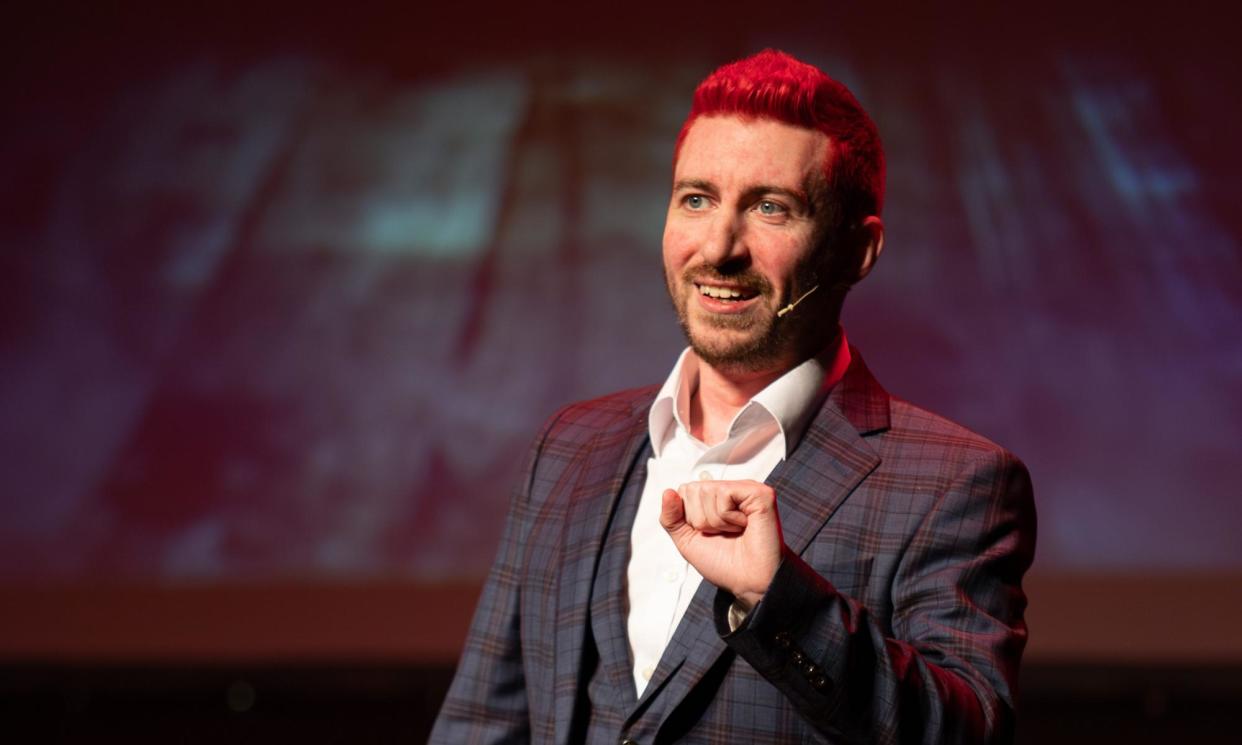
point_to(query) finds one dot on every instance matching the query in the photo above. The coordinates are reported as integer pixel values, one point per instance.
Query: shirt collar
(791, 400)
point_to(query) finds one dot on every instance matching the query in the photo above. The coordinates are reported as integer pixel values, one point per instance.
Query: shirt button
(705, 475)
(647, 672)
(671, 575)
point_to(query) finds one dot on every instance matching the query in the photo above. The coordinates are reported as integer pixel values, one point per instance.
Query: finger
(710, 500)
(692, 500)
(726, 504)
(698, 498)
(760, 498)
(672, 511)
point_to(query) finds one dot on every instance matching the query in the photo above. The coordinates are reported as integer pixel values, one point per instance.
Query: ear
(869, 237)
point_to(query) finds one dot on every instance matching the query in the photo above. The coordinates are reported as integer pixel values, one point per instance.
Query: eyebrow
(694, 183)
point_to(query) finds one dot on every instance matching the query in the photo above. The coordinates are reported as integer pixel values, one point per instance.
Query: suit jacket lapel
(608, 606)
(830, 460)
(832, 457)
(607, 461)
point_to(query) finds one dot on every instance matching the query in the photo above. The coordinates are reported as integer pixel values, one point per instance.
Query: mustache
(744, 279)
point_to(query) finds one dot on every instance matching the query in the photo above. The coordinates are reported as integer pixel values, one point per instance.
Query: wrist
(748, 600)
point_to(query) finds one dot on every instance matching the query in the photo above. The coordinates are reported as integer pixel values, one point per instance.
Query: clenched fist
(729, 532)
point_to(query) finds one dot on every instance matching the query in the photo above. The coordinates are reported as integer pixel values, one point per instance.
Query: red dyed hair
(775, 85)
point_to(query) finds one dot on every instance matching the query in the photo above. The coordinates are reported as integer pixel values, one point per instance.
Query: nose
(725, 241)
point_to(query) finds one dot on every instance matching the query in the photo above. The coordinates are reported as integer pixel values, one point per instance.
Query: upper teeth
(721, 292)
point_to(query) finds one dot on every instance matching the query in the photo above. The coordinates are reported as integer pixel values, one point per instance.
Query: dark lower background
(370, 662)
(1065, 703)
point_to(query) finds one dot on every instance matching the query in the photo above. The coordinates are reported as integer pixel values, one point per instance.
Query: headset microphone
(789, 308)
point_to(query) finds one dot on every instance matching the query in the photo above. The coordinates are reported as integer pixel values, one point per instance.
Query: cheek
(784, 262)
(678, 245)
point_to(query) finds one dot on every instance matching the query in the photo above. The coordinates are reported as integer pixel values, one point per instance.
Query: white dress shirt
(659, 582)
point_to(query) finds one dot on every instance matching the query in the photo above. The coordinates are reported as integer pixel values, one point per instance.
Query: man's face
(740, 241)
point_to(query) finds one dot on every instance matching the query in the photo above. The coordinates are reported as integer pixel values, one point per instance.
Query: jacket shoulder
(608, 424)
(582, 419)
(933, 435)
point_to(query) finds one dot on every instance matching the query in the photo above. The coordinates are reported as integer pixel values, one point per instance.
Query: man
(769, 548)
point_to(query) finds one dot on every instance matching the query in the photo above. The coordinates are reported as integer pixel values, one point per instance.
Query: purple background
(284, 296)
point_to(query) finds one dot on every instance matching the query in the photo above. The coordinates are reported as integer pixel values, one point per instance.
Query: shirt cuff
(737, 616)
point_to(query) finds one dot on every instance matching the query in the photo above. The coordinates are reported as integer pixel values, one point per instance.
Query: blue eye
(767, 207)
(696, 202)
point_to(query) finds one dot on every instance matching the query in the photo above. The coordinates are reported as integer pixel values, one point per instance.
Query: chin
(740, 354)
(747, 342)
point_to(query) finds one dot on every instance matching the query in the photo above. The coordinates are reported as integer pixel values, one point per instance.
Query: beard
(745, 342)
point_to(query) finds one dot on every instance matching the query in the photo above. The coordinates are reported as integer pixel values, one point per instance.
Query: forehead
(730, 150)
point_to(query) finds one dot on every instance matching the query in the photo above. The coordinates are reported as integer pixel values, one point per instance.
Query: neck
(720, 395)
(722, 392)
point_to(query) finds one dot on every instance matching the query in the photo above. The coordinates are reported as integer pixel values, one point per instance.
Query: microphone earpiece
(789, 308)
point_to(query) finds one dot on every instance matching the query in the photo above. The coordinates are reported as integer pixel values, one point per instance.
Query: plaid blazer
(896, 615)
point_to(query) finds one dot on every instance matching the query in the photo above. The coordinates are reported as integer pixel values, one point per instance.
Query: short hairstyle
(775, 85)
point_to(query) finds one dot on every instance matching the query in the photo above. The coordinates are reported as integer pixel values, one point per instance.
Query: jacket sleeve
(946, 671)
(486, 702)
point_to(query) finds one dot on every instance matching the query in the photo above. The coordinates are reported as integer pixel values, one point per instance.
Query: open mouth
(727, 294)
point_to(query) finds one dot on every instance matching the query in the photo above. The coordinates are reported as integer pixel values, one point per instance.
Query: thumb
(672, 511)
